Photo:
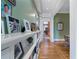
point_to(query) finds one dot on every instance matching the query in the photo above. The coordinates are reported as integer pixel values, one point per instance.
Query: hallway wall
(65, 20)
(24, 9)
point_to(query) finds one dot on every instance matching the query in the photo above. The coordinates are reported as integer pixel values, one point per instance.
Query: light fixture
(47, 8)
(48, 0)
(33, 14)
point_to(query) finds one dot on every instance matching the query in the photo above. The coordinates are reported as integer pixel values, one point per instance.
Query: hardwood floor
(55, 50)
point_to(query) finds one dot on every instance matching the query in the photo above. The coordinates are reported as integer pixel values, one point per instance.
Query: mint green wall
(65, 21)
(24, 9)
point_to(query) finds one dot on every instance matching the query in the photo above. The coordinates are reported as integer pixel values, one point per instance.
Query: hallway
(55, 50)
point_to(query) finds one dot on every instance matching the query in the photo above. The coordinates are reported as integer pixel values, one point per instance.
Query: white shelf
(12, 39)
(28, 54)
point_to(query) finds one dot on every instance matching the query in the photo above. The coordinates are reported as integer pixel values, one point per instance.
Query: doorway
(46, 30)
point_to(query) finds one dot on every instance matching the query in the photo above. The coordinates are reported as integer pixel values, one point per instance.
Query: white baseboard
(51, 41)
(59, 40)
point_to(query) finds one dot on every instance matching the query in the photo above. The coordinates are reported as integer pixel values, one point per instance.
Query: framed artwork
(27, 25)
(13, 24)
(33, 27)
(60, 26)
(13, 2)
(6, 9)
(18, 51)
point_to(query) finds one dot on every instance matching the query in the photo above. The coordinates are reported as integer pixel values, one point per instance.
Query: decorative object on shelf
(13, 2)
(23, 29)
(18, 51)
(60, 25)
(27, 25)
(6, 8)
(30, 40)
(33, 27)
(13, 24)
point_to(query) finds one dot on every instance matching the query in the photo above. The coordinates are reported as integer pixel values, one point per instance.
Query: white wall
(73, 28)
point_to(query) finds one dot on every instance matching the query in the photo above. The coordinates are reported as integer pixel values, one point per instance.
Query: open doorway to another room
(46, 28)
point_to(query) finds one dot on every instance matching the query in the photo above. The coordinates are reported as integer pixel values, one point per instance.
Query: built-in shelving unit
(27, 55)
(8, 42)
(12, 39)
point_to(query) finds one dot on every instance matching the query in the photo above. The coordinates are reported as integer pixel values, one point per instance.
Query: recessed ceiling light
(48, 0)
(47, 8)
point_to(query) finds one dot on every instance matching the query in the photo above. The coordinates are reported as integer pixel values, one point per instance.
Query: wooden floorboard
(56, 50)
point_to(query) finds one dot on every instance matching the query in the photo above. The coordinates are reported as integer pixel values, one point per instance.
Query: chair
(67, 40)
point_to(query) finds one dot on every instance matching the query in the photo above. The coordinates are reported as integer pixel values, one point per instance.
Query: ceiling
(30, 8)
(65, 7)
(51, 6)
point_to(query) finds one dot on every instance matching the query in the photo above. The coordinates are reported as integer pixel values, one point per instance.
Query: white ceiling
(51, 6)
(31, 8)
(65, 7)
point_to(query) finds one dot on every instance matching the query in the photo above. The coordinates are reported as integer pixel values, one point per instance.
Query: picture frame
(27, 25)
(60, 26)
(6, 9)
(18, 51)
(13, 2)
(33, 27)
(13, 24)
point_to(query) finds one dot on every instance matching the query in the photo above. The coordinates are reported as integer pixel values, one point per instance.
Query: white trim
(8, 25)
(73, 29)
(59, 40)
(26, 56)
(12, 39)
(52, 29)
(2, 27)
(66, 12)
